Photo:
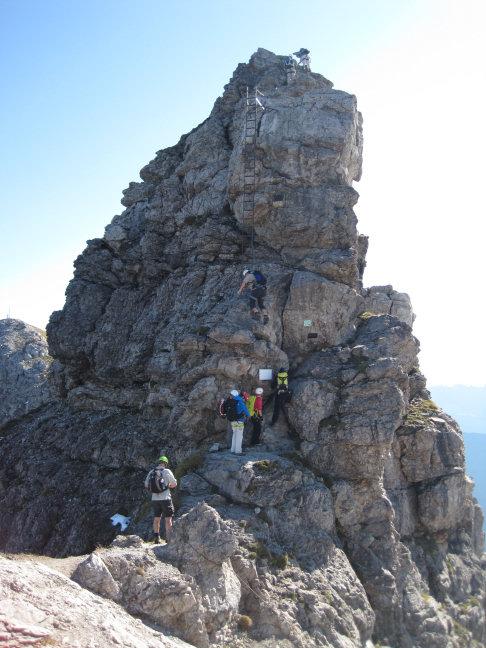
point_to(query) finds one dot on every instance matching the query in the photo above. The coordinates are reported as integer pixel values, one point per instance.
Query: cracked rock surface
(353, 522)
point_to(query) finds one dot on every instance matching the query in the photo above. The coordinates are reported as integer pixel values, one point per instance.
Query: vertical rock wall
(153, 332)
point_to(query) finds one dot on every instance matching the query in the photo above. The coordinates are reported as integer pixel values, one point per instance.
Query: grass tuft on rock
(265, 465)
(366, 316)
(189, 464)
(419, 411)
(244, 622)
(259, 551)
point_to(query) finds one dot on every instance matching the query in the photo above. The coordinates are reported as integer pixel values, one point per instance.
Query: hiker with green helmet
(159, 481)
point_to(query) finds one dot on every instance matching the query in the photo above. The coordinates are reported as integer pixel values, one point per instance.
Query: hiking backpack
(221, 407)
(282, 381)
(230, 409)
(250, 403)
(260, 278)
(156, 482)
(285, 394)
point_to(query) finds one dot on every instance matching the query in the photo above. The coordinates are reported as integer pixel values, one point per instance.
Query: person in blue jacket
(236, 411)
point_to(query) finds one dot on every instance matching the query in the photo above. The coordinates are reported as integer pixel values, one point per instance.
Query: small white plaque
(265, 374)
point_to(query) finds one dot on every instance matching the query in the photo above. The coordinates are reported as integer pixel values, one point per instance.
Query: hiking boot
(265, 319)
(255, 315)
(156, 538)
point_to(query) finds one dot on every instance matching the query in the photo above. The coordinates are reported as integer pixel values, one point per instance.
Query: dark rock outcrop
(355, 519)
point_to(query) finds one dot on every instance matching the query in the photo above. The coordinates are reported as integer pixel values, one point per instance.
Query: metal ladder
(253, 105)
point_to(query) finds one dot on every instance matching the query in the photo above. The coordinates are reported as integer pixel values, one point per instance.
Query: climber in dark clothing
(282, 394)
(290, 67)
(258, 285)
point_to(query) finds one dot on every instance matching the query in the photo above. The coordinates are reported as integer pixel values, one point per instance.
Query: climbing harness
(253, 106)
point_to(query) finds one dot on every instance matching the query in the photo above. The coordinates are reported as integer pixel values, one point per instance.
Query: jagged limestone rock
(383, 300)
(134, 304)
(355, 518)
(131, 575)
(39, 605)
(24, 364)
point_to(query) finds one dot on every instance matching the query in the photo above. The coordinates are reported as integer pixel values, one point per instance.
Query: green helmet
(163, 459)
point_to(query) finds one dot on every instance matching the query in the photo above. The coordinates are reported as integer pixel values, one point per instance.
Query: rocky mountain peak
(354, 519)
(24, 363)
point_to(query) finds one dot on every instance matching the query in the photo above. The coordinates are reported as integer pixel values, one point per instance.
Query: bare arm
(241, 287)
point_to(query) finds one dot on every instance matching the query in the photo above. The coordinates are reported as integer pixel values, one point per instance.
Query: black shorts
(163, 508)
(257, 296)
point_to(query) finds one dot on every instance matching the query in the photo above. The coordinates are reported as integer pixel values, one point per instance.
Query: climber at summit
(159, 481)
(290, 67)
(304, 58)
(257, 283)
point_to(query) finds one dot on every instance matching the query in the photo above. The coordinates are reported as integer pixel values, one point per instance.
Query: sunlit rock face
(355, 518)
(24, 364)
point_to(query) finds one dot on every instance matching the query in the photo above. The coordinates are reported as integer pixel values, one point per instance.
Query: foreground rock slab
(39, 606)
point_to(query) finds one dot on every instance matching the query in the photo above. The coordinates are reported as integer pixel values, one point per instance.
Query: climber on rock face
(282, 394)
(258, 286)
(159, 481)
(255, 406)
(290, 67)
(236, 410)
(304, 58)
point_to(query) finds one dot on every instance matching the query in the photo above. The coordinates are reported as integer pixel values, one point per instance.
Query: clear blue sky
(91, 90)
